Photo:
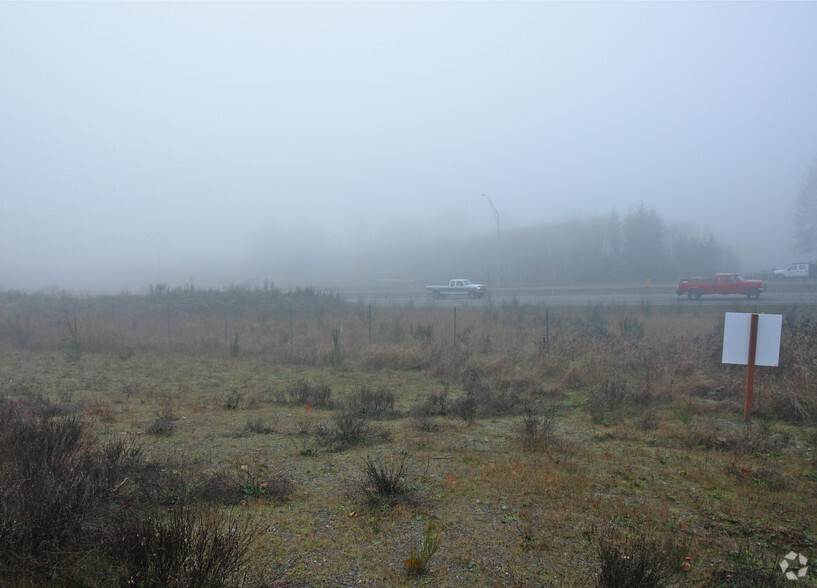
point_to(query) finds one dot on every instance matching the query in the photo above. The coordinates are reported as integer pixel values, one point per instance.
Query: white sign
(736, 329)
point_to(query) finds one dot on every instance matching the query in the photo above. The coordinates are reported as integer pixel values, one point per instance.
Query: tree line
(636, 246)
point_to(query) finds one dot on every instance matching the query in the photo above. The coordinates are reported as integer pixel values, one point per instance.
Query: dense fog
(347, 142)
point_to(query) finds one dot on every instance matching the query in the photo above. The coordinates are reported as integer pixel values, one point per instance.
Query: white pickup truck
(795, 270)
(458, 287)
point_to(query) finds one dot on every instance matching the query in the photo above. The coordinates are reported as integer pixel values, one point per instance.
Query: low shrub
(351, 427)
(308, 394)
(376, 403)
(384, 481)
(606, 399)
(259, 426)
(183, 547)
(638, 561)
(536, 427)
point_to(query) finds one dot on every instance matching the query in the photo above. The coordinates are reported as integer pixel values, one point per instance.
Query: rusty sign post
(750, 368)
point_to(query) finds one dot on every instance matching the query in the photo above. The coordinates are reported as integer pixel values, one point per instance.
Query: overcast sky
(152, 140)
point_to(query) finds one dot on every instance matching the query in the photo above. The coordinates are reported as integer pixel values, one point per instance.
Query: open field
(325, 443)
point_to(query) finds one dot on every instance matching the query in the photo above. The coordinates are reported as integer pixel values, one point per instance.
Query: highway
(777, 294)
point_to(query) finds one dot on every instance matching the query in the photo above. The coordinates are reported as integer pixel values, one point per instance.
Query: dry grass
(519, 450)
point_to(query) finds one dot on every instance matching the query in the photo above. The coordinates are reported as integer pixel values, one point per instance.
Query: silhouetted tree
(643, 248)
(805, 216)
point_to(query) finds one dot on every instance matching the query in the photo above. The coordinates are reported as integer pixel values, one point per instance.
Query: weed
(255, 482)
(335, 355)
(748, 567)
(422, 333)
(392, 332)
(631, 328)
(417, 561)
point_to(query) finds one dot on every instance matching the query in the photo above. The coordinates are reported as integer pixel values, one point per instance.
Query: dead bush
(606, 399)
(638, 561)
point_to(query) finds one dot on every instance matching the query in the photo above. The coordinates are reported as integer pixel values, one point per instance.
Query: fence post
(455, 326)
(291, 329)
(168, 318)
(370, 324)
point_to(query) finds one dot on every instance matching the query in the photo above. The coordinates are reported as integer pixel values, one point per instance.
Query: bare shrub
(164, 423)
(233, 400)
(436, 404)
(537, 428)
(376, 403)
(259, 426)
(309, 394)
(464, 408)
(649, 420)
(605, 399)
(183, 547)
(637, 561)
(351, 427)
(384, 481)
(55, 485)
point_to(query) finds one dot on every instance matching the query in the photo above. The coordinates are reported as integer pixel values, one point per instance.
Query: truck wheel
(753, 293)
(693, 294)
(472, 295)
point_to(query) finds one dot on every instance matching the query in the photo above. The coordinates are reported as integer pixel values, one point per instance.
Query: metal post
(370, 324)
(547, 326)
(455, 326)
(291, 330)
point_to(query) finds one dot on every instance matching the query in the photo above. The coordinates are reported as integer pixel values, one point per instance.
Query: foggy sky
(151, 141)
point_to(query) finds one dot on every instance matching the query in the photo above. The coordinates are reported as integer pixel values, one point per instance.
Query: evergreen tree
(805, 217)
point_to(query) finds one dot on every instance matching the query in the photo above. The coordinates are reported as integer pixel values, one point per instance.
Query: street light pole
(498, 248)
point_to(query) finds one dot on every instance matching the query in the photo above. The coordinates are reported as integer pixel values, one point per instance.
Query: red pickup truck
(722, 284)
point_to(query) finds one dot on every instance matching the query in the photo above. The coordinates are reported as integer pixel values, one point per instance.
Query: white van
(795, 270)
